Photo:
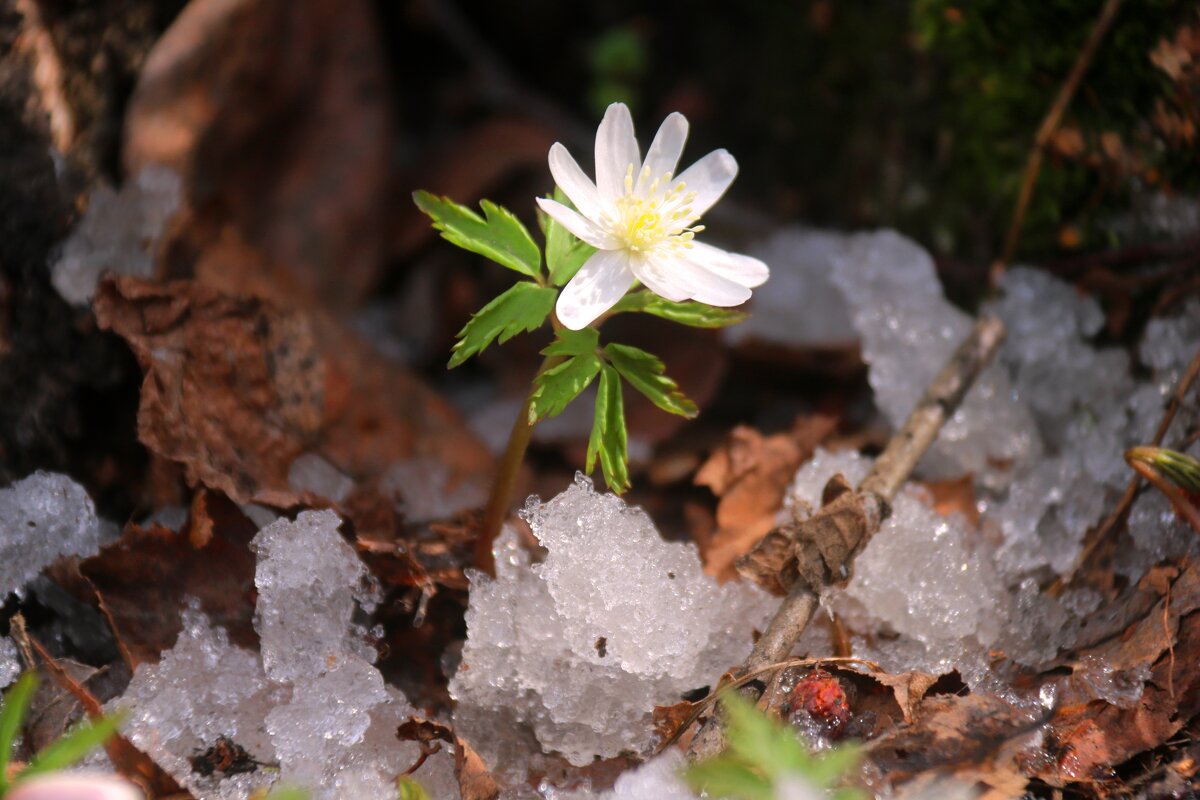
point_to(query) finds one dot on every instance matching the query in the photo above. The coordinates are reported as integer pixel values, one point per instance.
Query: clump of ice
(908, 331)
(119, 233)
(658, 778)
(1104, 682)
(202, 689)
(923, 577)
(310, 472)
(10, 664)
(426, 491)
(581, 646)
(42, 518)
(1043, 434)
(803, 307)
(311, 707)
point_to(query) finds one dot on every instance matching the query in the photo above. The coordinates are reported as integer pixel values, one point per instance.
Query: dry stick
(1098, 535)
(1048, 128)
(889, 473)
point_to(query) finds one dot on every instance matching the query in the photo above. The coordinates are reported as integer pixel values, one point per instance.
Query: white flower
(641, 218)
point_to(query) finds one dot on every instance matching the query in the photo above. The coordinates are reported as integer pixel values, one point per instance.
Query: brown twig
(1099, 534)
(1048, 128)
(1178, 502)
(891, 469)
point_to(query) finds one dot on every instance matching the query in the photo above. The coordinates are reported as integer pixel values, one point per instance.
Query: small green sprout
(68, 750)
(764, 754)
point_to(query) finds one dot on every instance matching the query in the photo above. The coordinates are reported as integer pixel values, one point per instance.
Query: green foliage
(763, 752)
(287, 793)
(646, 373)
(69, 749)
(565, 253)
(561, 383)
(690, 313)
(524, 307)
(608, 440)
(409, 789)
(498, 235)
(999, 68)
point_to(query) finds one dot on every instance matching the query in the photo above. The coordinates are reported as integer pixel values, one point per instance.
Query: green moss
(998, 67)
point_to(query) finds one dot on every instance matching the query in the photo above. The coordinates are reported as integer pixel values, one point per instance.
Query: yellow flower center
(655, 217)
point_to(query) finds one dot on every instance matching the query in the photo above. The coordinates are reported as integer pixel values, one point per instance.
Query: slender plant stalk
(500, 500)
(1048, 128)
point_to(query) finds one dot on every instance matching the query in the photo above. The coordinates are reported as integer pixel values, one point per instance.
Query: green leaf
(562, 383)
(696, 315)
(565, 253)
(573, 343)
(758, 740)
(728, 777)
(410, 789)
(287, 793)
(499, 235)
(71, 747)
(608, 440)
(524, 307)
(16, 703)
(645, 373)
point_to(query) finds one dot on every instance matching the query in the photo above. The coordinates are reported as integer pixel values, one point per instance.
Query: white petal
(747, 271)
(579, 225)
(657, 273)
(575, 183)
(707, 286)
(709, 178)
(616, 150)
(600, 283)
(665, 150)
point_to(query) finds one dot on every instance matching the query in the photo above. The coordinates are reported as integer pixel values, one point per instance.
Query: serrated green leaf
(556, 387)
(757, 739)
(16, 703)
(71, 747)
(727, 777)
(498, 235)
(645, 373)
(565, 253)
(524, 307)
(608, 440)
(573, 343)
(691, 313)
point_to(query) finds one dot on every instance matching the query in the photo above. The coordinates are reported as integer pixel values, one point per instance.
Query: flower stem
(500, 500)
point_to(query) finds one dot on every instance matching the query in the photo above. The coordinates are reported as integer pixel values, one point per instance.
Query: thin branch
(1098, 535)
(1049, 127)
(891, 469)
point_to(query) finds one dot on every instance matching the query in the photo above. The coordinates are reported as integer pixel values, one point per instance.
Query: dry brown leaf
(750, 474)
(955, 496)
(143, 579)
(474, 780)
(237, 388)
(975, 733)
(667, 719)
(1087, 738)
(909, 688)
(200, 524)
(278, 116)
